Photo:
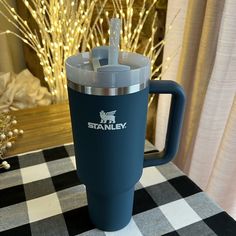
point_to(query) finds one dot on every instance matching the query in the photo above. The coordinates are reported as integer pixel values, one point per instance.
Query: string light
(8, 136)
(64, 33)
(61, 34)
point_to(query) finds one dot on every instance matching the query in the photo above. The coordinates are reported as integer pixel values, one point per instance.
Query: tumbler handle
(174, 123)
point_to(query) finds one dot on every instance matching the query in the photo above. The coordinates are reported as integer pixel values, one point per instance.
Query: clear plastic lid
(79, 70)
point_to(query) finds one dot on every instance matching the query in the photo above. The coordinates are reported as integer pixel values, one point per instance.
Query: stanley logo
(108, 122)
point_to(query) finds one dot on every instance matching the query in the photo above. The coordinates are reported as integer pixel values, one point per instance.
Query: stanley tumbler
(108, 112)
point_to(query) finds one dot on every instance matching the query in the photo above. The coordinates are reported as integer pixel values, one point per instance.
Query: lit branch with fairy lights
(8, 136)
(66, 27)
(131, 33)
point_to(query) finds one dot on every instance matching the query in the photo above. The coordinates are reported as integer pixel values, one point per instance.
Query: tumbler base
(112, 212)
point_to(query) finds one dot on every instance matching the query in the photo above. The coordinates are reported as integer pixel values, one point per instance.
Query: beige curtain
(11, 49)
(206, 67)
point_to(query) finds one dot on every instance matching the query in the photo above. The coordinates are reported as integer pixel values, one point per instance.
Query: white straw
(114, 40)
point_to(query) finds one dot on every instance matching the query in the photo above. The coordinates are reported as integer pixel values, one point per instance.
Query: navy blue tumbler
(108, 112)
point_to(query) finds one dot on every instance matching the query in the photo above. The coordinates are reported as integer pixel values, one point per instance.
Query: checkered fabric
(42, 195)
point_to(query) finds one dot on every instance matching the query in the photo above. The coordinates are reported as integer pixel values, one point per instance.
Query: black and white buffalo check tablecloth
(42, 195)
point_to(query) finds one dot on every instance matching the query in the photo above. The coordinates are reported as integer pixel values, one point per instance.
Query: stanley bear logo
(107, 116)
(107, 122)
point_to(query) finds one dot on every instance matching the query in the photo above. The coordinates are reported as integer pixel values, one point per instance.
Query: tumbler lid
(80, 72)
